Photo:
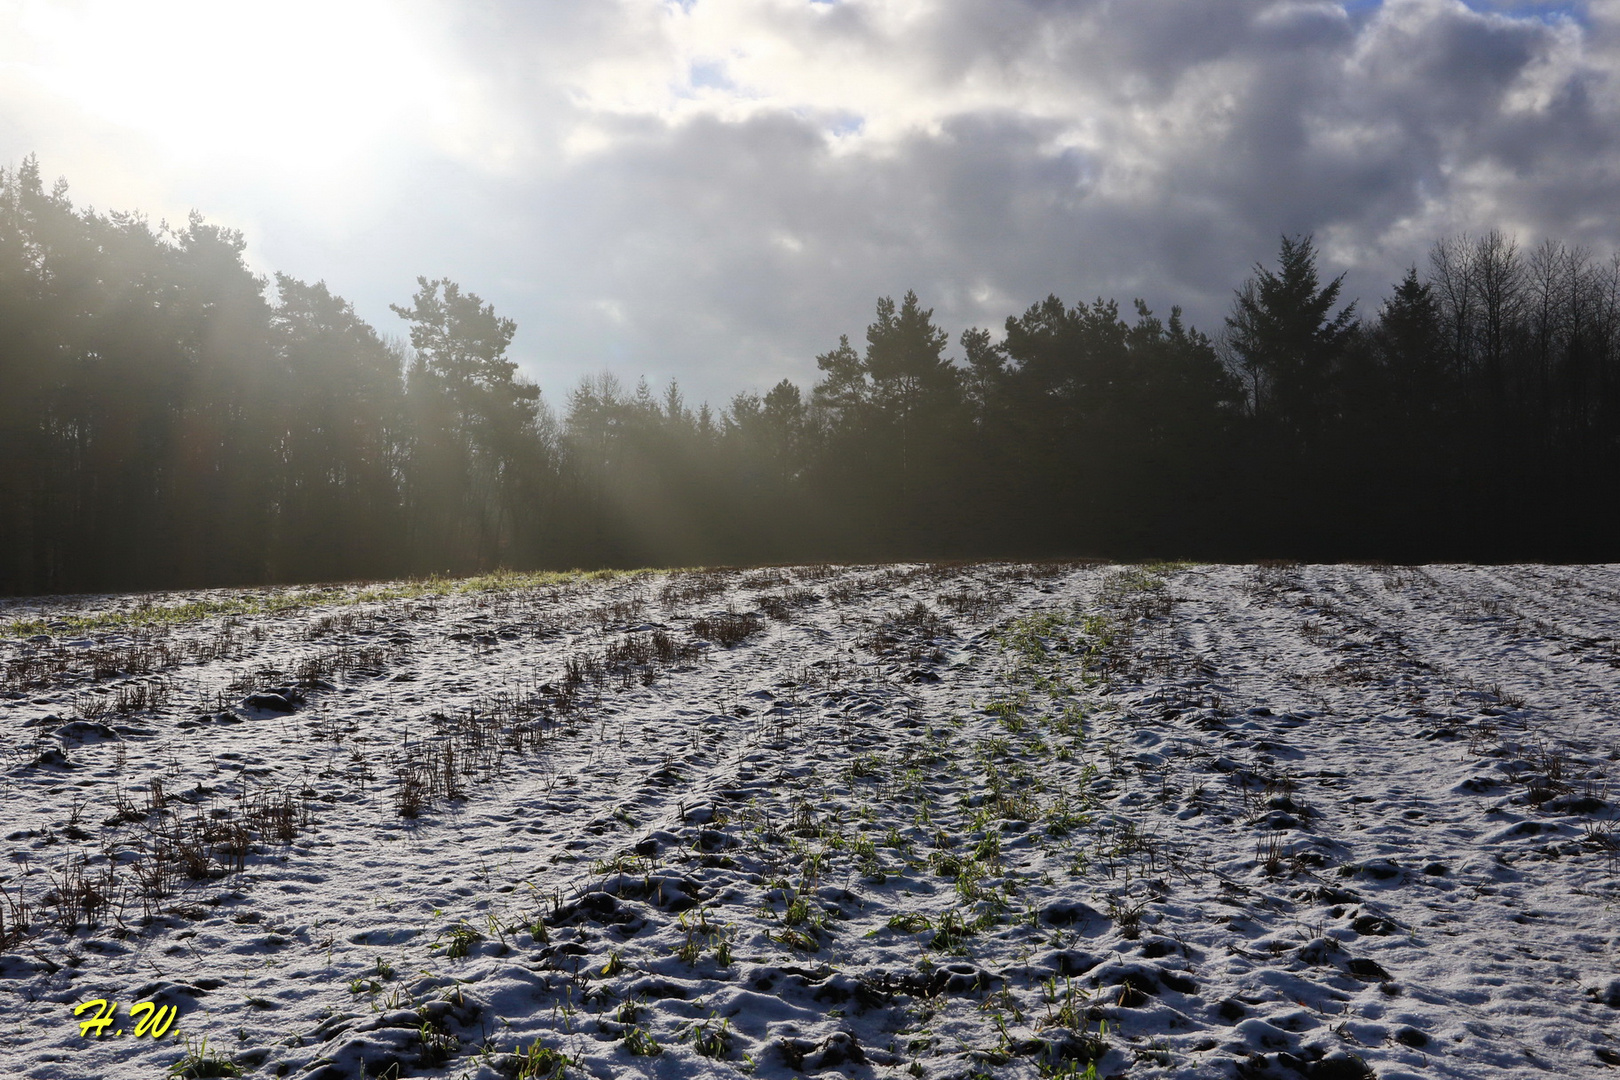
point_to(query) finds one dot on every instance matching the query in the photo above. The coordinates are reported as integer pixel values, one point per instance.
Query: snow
(944, 821)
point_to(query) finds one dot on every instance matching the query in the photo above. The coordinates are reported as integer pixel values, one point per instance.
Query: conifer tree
(1287, 338)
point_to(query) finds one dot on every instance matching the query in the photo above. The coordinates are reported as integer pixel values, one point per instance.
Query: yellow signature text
(146, 1018)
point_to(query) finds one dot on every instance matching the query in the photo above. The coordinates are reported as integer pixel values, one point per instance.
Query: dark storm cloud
(1156, 148)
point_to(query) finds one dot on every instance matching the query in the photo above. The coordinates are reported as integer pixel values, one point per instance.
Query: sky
(714, 190)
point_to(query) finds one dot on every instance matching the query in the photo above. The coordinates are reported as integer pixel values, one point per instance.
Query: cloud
(714, 190)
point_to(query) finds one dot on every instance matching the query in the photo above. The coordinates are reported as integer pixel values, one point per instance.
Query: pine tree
(1286, 338)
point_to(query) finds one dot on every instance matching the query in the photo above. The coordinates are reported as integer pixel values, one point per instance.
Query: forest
(170, 419)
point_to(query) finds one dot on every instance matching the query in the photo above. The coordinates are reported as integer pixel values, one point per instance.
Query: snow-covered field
(933, 821)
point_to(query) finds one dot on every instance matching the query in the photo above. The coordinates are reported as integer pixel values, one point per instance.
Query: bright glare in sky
(292, 86)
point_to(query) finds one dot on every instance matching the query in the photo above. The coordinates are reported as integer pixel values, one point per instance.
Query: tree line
(168, 418)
